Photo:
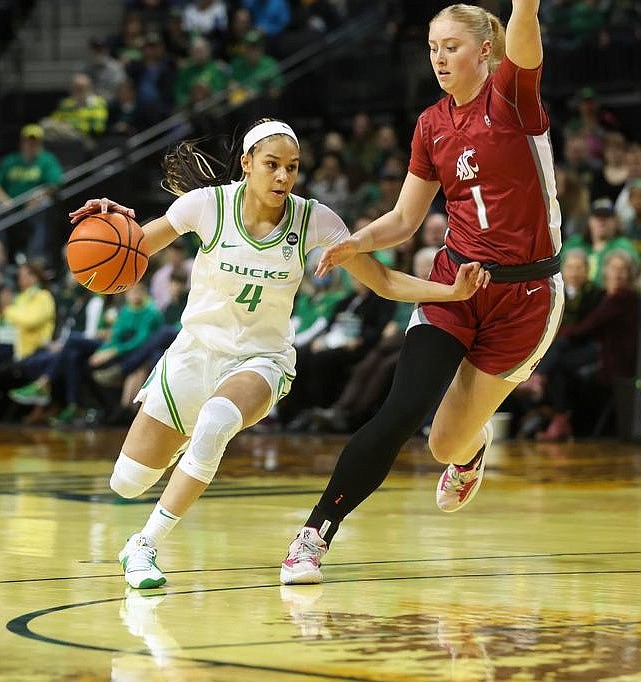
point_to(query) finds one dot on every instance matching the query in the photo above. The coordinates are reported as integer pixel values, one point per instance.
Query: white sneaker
(302, 565)
(138, 561)
(457, 487)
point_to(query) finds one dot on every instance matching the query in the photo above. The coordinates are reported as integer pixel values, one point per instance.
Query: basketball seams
(120, 267)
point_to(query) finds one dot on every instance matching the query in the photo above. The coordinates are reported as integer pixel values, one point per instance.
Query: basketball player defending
(486, 144)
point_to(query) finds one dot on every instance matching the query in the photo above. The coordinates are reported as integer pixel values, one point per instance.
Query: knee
(443, 446)
(131, 478)
(218, 422)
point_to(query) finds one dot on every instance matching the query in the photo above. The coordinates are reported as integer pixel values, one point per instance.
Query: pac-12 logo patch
(292, 238)
(287, 252)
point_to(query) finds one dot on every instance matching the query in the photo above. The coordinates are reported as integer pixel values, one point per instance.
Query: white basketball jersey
(242, 290)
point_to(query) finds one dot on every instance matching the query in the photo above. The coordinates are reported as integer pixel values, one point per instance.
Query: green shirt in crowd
(17, 175)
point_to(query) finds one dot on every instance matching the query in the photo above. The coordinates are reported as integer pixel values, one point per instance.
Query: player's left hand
(469, 279)
(103, 205)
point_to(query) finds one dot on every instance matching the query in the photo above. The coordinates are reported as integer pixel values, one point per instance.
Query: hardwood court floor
(538, 579)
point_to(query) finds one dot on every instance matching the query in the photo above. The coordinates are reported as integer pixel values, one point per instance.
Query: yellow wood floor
(538, 579)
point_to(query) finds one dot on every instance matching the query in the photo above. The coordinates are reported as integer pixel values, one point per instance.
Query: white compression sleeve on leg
(218, 422)
(131, 478)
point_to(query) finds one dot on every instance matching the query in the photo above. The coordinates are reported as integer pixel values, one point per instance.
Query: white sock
(159, 524)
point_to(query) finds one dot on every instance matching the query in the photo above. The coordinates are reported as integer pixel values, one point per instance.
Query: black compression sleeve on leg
(428, 361)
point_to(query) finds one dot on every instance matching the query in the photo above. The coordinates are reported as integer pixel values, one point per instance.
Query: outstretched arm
(523, 45)
(390, 229)
(398, 286)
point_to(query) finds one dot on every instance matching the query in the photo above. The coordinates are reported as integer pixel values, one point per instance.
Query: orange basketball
(106, 253)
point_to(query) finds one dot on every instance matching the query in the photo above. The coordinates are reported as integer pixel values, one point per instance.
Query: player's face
(458, 60)
(272, 169)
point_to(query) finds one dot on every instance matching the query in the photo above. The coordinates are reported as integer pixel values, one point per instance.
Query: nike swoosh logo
(436, 139)
(229, 246)
(531, 291)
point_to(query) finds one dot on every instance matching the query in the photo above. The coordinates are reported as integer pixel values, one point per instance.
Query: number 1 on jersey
(480, 207)
(246, 297)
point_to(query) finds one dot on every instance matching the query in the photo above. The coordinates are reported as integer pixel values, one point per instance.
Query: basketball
(106, 253)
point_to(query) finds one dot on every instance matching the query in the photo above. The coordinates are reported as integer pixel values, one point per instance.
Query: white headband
(263, 130)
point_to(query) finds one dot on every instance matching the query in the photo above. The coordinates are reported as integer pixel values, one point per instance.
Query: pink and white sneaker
(302, 565)
(458, 485)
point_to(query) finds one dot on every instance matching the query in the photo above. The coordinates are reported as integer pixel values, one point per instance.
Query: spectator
(82, 115)
(35, 170)
(270, 17)
(574, 201)
(200, 67)
(586, 21)
(329, 183)
(610, 180)
(233, 41)
(614, 322)
(361, 145)
(434, 229)
(632, 228)
(175, 37)
(127, 46)
(32, 313)
(633, 164)
(176, 262)
(603, 235)
(255, 74)
(577, 158)
(134, 323)
(153, 77)
(206, 18)
(105, 72)
(125, 115)
(386, 142)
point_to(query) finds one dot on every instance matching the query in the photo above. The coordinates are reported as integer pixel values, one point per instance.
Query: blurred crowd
(68, 357)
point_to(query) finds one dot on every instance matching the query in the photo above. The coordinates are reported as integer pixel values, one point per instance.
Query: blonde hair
(483, 25)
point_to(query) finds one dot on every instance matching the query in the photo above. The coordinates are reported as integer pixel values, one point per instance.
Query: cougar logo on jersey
(465, 170)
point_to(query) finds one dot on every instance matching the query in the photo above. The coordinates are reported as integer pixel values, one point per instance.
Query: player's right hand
(103, 205)
(336, 255)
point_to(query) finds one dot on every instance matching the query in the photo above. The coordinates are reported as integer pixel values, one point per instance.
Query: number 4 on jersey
(249, 297)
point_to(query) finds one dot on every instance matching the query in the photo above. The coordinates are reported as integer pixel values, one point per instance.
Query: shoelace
(307, 551)
(141, 558)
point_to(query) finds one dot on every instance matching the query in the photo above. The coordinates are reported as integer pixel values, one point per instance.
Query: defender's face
(457, 58)
(272, 169)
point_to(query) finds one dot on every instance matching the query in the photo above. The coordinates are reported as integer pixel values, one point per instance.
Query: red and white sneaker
(302, 565)
(458, 485)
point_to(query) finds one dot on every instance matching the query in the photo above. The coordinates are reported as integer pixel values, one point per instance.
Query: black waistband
(514, 273)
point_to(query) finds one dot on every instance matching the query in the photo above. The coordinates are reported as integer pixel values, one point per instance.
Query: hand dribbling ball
(106, 253)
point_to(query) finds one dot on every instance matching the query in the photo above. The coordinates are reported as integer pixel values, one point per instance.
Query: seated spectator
(176, 262)
(233, 40)
(105, 72)
(152, 12)
(126, 47)
(207, 18)
(324, 364)
(270, 17)
(134, 323)
(615, 324)
(255, 74)
(632, 228)
(603, 235)
(31, 312)
(371, 378)
(610, 180)
(329, 183)
(176, 39)
(433, 230)
(361, 143)
(131, 371)
(576, 155)
(574, 201)
(549, 387)
(126, 117)
(82, 115)
(201, 68)
(32, 170)
(153, 77)
(633, 165)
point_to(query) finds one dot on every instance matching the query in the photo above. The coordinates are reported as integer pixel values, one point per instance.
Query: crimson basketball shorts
(506, 328)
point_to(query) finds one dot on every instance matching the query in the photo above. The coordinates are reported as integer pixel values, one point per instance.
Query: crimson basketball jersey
(493, 159)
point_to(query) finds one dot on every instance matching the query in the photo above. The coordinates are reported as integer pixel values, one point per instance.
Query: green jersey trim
(238, 219)
(169, 399)
(307, 212)
(220, 210)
